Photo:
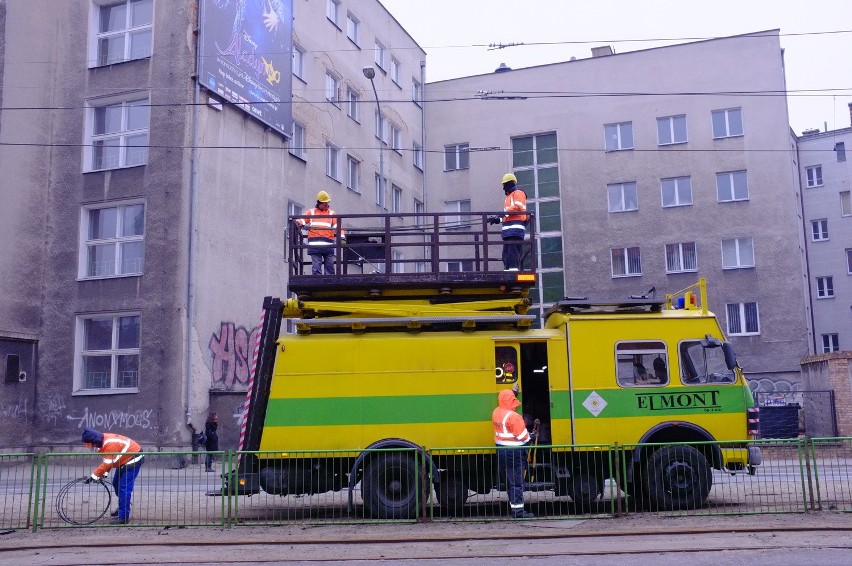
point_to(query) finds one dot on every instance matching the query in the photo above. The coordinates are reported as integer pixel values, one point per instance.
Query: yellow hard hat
(322, 196)
(509, 177)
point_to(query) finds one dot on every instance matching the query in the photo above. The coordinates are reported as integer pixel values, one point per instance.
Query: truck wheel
(452, 494)
(585, 488)
(676, 478)
(390, 487)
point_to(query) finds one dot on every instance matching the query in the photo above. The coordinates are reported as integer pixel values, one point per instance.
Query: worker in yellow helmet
(514, 221)
(322, 227)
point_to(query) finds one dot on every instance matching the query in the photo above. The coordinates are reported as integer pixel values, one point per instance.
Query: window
(456, 156)
(622, 197)
(676, 191)
(332, 86)
(352, 28)
(299, 61)
(380, 54)
(840, 150)
(332, 11)
(619, 136)
(814, 176)
(418, 156)
(626, 262)
(123, 32)
(353, 173)
(352, 100)
(397, 261)
(681, 258)
(743, 319)
(731, 186)
(380, 191)
(112, 241)
(459, 266)
(845, 204)
(825, 287)
(727, 123)
(641, 364)
(819, 230)
(394, 70)
(700, 364)
(419, 208)
(457, 213)
(293, 209)
(381, 130)
(671, 129)
(117, 135)
(737, 253)
(297, 142)
(332, 161)
(849, 261)
(396, 139)
(416, 92)
(396, 199)
(830, 343)
(107, 353)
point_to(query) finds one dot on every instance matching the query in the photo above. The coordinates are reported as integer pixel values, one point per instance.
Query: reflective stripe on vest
(506, 438)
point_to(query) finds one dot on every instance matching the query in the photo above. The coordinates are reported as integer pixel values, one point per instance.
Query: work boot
(119, 521)
(522, 515)
(114, 513)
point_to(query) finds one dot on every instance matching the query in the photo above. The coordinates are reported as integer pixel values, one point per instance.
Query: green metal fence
(440, 484)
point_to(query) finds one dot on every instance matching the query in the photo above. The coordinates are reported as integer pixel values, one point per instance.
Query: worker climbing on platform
(321, 224)
(514, 222)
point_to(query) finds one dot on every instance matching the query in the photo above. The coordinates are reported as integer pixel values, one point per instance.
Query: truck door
(526, 364)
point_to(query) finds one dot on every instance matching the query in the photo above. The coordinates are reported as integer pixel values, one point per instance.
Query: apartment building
(647, 169)
(144, 214)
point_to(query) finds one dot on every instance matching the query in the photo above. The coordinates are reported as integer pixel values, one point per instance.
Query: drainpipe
(423, 128)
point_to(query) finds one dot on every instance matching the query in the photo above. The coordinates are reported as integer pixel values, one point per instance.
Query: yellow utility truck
(395, 353)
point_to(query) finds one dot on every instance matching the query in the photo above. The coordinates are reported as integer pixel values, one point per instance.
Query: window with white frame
(737, 253)
(743, 319)
(825, 287)
(727, 123)
(396, 139)
(416, 91)
(397, 261)
(353, 173)
(459, 266)
(417, 155)
(456, 156)
(845, 203)
(813, 176)
(849, 261)
(352, 24)
(731, 186)
(297, 142)
(419, 208)
(117, 134)
(626, 262)
(840, 151)
(394, 70)
(681, 258)
(293, 209)
(332, 11)
(332, 161)
(380, 53)
(396, 199)
(458, 213)
(380, 191)
(332, 87)
(622, 197)
(618, 136)
(830, 343)
(299, 61)
(819, 230)
(381, 128)
(671, 129)
(352, 100)
(676, 191)
(112, 241)
(121, 31)
(107, 353)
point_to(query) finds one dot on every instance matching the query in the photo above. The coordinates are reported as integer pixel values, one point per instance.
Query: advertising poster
(245, 56)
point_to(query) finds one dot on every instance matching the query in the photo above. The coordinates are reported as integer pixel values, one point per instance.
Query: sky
(456, 34)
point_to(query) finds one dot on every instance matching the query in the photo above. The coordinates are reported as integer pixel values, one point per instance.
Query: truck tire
(677, 478)
(584, 488)
(452, 494)
(390, 487)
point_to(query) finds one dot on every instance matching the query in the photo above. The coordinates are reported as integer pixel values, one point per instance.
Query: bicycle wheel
(80, 503)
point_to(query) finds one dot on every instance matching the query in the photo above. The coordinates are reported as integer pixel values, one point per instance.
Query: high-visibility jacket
(509, 426)
(120, 451)
(322, 227)
(515, 217)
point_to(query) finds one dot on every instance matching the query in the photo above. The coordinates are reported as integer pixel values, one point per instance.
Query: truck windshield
(700, 365)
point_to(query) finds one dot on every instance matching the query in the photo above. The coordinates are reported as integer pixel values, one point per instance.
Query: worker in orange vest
(122, 454)
(511, 437)
(514, 222)
(322, 233)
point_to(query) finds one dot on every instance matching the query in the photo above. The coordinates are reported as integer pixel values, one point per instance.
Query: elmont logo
(698, 400)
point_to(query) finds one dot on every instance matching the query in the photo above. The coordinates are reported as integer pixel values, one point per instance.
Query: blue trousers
(511, 462)
(322, 258)
(122, 483)
(512, 252)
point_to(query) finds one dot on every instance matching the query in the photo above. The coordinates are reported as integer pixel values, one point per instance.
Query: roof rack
(587, 306)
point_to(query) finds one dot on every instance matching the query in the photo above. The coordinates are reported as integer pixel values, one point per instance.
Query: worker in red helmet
(514, 222)
(322, 234)
(511, 437)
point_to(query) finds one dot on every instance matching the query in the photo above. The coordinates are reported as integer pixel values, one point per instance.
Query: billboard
(245, 56)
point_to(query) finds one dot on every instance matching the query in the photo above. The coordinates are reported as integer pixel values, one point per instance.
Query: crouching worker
(511, 437)
(123, 455)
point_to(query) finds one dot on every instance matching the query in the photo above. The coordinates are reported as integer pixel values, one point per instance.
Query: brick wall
(833, 370)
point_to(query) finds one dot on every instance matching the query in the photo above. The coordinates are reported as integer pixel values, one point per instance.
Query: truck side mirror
(730, 356)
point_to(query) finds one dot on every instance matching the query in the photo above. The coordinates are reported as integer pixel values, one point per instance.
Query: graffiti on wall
(140, 418)
(18, 410)
(232, 351)
(773, 386)
(51, 406)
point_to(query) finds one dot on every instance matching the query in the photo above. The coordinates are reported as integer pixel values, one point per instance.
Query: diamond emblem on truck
(594, 403)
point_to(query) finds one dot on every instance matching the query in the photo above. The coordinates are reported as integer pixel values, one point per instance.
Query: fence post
(802, 474)
(35, 497)
(615, 460)
(812, 452)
